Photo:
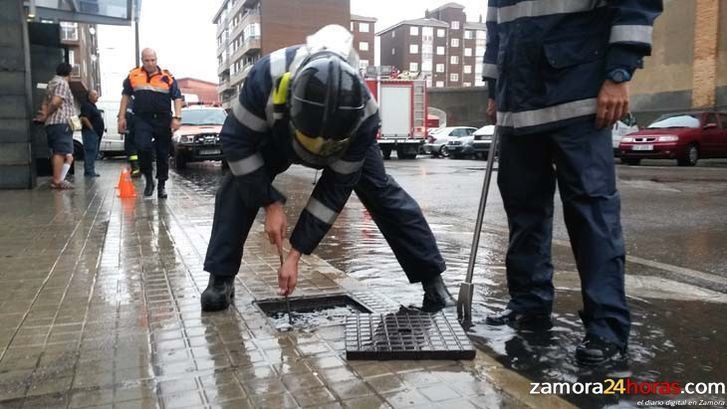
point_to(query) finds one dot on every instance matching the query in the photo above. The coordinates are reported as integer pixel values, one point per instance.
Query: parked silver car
(437, 142)
(476, 145)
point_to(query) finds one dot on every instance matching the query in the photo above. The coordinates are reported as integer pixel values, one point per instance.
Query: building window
(480, 35)
(414, 31)
(455, 42)
(478, 70)
(69, 31)
(466, 84)
(468, 69)
(363, 46)
(480, 51)
(393, 51)
(440, 84)
(455, 25)
(427, 33)
(468, 52)
(352, 26)
(363, 27)
(440, 32)
(440, 67)
(468, 35)
(393, 34)
(413, 67)
(454, 59)
(414, 49)
(427, 66)
(440, 50)
(454, 77)
(363, 64)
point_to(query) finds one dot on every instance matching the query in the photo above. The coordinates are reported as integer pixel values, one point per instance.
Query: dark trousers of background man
(153, 135)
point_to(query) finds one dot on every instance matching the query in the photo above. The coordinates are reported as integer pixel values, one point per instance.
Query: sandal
(64, 185)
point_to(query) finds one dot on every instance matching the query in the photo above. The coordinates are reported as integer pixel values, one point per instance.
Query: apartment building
(249, 29)
(443, 47)
(364, 39)
(82, 43)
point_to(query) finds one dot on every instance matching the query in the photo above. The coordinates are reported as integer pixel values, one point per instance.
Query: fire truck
(403, 112)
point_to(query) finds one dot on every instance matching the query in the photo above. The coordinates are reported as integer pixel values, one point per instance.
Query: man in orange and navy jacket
(153, 90)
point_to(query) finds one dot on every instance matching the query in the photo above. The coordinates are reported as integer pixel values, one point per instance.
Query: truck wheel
(691, 158)
(404, 153)
(386, 153)
(180, 162)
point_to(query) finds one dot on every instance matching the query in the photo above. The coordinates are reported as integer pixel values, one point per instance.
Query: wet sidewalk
(100, 308)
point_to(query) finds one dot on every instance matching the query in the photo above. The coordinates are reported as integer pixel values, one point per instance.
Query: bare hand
(613, 103)
(276, 223)
(40, 117)
(288, 273)
(492, 110)
(121, 125)
(176, 123)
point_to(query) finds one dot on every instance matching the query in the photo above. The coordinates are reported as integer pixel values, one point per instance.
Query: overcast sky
(183, 34)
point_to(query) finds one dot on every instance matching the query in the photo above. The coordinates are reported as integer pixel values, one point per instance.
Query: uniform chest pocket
(573, 52)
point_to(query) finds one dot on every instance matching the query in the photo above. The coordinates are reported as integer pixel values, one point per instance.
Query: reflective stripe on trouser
(400, 220)
(153, 137)
(585, 174)
(396, 214)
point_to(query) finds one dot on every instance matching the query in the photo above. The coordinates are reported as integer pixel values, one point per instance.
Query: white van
(112, 143)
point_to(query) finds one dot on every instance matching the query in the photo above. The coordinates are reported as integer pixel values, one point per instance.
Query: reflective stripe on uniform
(150, 88)
(247, 118)
(631, 34)
(370, 109)
(540, 8)
(345, 167)
(547, 115)
(489, 70)
(247, 165)
(491, 14)
(321, 211)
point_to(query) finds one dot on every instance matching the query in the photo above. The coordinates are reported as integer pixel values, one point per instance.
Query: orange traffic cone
(125, 186)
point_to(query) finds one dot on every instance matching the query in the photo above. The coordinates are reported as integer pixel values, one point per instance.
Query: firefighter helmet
(326, 105)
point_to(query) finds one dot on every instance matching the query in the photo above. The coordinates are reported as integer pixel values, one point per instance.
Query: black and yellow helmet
(326, 105)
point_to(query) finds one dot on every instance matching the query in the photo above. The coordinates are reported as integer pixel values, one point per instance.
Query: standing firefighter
(558, 73)
(153, 90)
(308, 105)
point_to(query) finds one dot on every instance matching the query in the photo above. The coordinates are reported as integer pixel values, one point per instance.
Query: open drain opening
(309, 313)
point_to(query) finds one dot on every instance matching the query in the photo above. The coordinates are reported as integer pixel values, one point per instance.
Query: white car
(622, 128)
(112, 142)
(437, 142)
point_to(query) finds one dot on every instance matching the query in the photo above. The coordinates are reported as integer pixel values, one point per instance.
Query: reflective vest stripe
(540, 8)
(631, 34)
(246, 165)
(247, 118)
(321, 211)
(345, 167)
(547, 115)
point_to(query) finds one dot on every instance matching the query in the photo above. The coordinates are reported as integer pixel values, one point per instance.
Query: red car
(686, 137)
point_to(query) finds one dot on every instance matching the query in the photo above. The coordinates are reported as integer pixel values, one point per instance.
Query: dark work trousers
(153, 135)
(396, 214)
(580, 158)
(90, 151)
(129, 144)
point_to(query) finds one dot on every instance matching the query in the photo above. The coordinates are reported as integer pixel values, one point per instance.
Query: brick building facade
(249, 29)
(443, 46)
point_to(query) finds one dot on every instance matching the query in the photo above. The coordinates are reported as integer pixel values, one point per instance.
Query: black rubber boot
(436, 295)
(149, 189)
(161, 191)
(218, 294)
(594, 351)
(520, 320)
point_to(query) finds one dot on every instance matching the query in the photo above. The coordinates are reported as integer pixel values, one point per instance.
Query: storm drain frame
(306, 303)
(410, 335)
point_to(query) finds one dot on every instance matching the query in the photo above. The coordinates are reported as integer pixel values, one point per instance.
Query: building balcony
(252, 16)
(224, 67)
(221, 48)
(250, 3)
(240, 76)
(251, 44)
(223, 86)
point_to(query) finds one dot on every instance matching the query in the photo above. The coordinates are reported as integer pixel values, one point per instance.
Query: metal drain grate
(406, 335)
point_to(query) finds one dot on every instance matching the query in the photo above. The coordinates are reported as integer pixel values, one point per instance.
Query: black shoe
(149, 189)
(161, 191)
(594, 351)
(520, 320)
(436, 295)
(218, 294)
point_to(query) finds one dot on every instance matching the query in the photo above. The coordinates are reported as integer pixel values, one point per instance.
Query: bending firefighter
(308, 105)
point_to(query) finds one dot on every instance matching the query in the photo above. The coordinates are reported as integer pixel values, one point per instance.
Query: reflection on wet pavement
(671, 340)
